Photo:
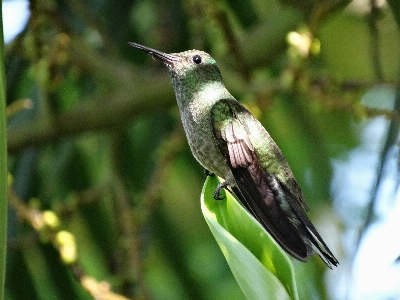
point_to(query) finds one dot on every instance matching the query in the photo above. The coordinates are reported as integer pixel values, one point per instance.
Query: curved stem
(3, 164)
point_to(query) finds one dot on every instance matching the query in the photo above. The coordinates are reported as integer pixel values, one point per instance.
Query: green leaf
(261, 268)
(3, 164)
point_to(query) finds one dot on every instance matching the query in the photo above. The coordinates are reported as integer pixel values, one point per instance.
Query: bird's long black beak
(168, 58)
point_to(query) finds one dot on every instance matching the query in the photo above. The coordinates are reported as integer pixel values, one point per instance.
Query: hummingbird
(228, 141)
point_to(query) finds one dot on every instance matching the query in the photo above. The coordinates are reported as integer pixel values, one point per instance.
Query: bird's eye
(197, 59)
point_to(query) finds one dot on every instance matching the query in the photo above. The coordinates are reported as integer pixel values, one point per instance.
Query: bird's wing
(259, 168)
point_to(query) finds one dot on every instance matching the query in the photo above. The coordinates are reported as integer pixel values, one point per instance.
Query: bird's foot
(217, 192)
(208, 173)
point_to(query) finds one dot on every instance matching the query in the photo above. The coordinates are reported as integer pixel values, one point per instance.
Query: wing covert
(253, 187)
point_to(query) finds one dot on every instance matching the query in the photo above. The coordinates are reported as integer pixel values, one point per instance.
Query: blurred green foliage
(3, 164)
(102, 146)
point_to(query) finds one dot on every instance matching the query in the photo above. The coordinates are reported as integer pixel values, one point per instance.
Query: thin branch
(129, 237)
(135, 93)
(103, 115)
(375, 39)
(391, 138)
(133, 222)
(393, 129)
(47, 224)
(3, 164)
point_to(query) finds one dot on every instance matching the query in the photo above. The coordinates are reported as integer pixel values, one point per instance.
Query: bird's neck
(199, 98)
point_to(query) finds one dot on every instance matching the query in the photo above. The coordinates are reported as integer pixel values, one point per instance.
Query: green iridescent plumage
(230, 142)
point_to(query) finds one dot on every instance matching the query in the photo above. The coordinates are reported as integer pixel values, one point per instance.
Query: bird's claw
(217, 191)
(208, 173)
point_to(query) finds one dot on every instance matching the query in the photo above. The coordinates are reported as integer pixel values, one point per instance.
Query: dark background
(102, 145)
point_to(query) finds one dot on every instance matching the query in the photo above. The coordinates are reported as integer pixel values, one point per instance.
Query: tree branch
(135, 93)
